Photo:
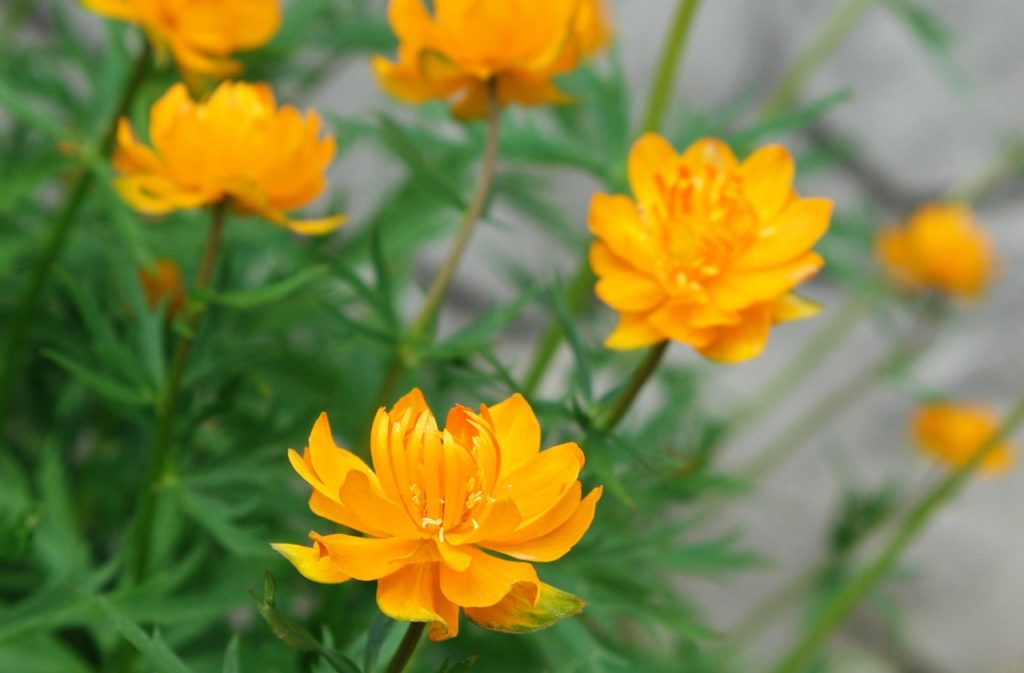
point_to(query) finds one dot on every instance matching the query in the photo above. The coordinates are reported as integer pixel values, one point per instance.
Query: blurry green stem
(576, 295)
(1008, 165)
(842, 603)
(668, 64)
(443, 280)
(641, 375)
(794, 79)
(81, 184)
(162, 456)
(657, 106)
(810, 356)
(406, 648)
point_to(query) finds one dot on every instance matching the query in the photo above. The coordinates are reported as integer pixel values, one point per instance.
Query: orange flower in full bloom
(161, 282)
(941, 247)
(200, 34)
(463, 45)
(237, 146)
(952, 434)
(708, 251)
(434, 505)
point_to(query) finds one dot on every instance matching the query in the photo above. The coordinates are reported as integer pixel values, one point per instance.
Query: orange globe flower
(200, 34)
(236, 147)
(708, 251)
(162, 282)
(463, 45)
(941, 247)
(952, 434)
(434, 502)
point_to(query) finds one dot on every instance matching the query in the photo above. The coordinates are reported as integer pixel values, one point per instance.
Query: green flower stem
(810, 356)
(668, 65)
(162, 457)
(657, 106)
(81, 185)
(640, 377)
(577, 293)
(1011, 163)
(443, 280)
(406, 648)
(842, 603)
(836, 30)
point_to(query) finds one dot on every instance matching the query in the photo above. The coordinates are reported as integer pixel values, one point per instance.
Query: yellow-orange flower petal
(200, 34)
(436, 501)
(708, 250)
(237, 147)
(953, 433)
(941, 247)
(163, 282)
(456, 50)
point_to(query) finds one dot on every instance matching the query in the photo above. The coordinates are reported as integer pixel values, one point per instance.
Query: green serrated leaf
(152, 648)
(268, 294)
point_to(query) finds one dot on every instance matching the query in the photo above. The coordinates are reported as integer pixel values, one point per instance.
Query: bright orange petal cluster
(708, 251)
(200, 34)
(941, 247)
(433, 506)
(952, 434)
(237, 146)
(163, 282)
(463, 45)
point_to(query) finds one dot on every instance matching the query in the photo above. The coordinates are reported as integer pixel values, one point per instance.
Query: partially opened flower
(200, 34)
(457, 50)
(708, 251)
(163, 282)
(435, 507)
(941, 247)
(953, 433)
(236, 147)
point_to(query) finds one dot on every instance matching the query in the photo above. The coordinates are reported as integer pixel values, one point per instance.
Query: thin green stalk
(443, 280)
(162, 457)
(81, 184)
(406, 648)
(810, 356)
(576, 294)
(1009, 165)
(794, 80)
(640, 377)
(668, 65)
(657, 106)
(839, 607)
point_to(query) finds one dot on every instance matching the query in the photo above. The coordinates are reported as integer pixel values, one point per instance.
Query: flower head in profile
(435, 506)
(941, 247)
(201, 35)
(953, 433)
(457, 50)
(708, 251)
(235, 147)
(163, 282)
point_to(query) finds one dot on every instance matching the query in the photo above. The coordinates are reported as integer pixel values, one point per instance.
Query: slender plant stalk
(162, 456)
(668, 65)
(657, 106)
(406, 648)
(81, 184)
(839, 607)
(794, 80)
(1011, 164)
(640, 377)
(443, 280)
(576, 295)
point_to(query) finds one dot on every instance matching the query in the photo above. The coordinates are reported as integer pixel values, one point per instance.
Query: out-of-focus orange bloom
(465, 44)
(941, 247)
(161, 282)
(200, 34)
(435, 503)
(953, 433)
(708, 251)
(237, 146)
